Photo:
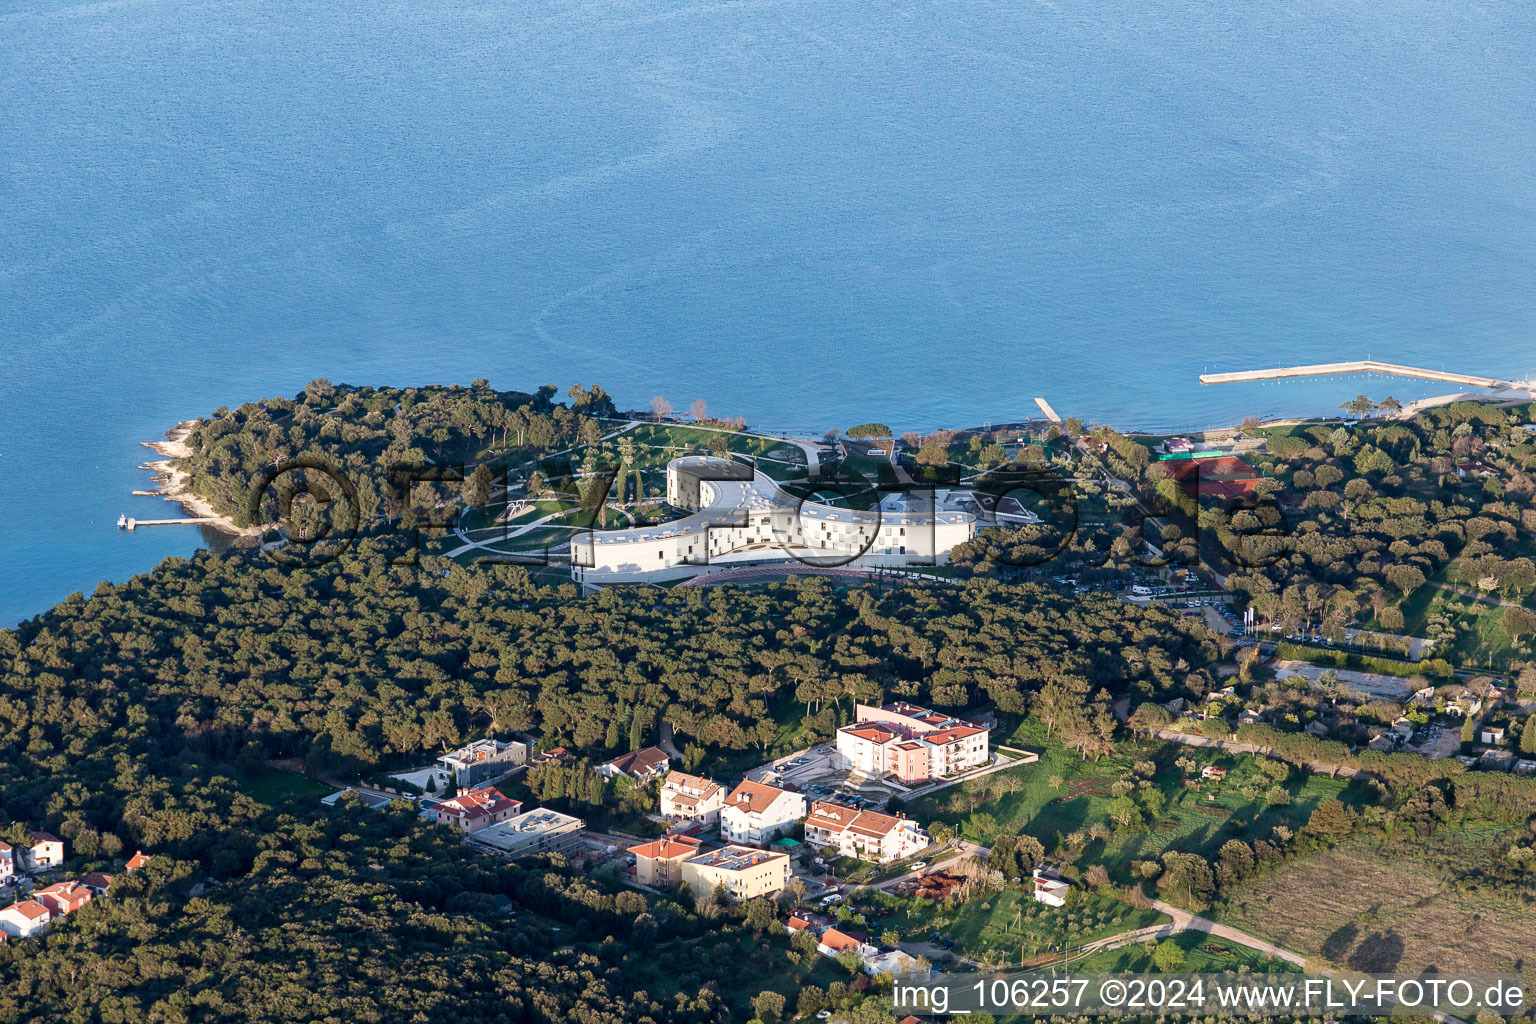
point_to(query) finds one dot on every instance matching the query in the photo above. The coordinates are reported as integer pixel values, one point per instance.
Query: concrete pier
(1050, 413)
(1357, 366)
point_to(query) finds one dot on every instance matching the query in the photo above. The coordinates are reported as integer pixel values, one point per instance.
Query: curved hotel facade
(740, 516)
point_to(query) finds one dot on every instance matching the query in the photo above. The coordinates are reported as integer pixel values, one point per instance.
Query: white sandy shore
(173, 481)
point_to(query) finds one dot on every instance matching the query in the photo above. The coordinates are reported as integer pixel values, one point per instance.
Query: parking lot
(819, 773)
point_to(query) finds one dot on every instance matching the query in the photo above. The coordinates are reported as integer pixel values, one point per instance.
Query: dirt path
(1184, 920)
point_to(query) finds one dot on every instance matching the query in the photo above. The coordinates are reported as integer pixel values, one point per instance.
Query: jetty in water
(124, 523)
(1358, 366)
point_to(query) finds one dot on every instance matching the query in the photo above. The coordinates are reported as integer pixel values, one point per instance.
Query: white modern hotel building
(741, 515)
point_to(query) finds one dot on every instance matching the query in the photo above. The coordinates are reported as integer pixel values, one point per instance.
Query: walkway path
(1184, 920)
(1476, 596)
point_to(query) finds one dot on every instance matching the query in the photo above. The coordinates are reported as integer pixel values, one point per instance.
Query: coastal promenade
(1356, 366)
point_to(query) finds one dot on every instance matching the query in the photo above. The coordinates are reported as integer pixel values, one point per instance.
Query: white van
(1141, 591)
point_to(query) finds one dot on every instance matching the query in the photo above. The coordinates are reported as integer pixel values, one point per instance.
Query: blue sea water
(808, 214)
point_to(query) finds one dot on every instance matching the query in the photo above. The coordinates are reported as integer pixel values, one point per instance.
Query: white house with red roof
(867, 835)
(913, 743)
(687, 797)
(45, 853)
(475, 809)
(25, 919)
(639, 765)
(833, 943)
(138, 860)
(757, 814)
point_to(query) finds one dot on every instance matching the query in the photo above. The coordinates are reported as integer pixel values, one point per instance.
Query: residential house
(1403, 726)
(1466, 470)
(45, 854)
(740, 871)
(476, 809)
(660, 862)
(867, 835)
(687, 797)
(7, 863)
(1214, 772)
(833, 943)
(550, 756)
(1049, 889)
(757, 814)
(894, 963)
(1466, 703)
(138, 860)
(641, 765)
(913, 743)
(538, 831)
(63, 898)
(1491, 735)
(796, 924)
(25, 919)
(98, 882)
(481, 761)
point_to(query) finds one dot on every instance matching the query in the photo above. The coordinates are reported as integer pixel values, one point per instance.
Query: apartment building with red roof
(659, 862)
(912, 743)
(756, 814)
(867, 835)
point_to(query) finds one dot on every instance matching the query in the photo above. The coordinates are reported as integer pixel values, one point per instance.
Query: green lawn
(272, 786)
(1197, 819)
(1480, 640)
(1012, 924)
(1203, 954)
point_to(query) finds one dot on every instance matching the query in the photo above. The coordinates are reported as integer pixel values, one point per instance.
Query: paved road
(962, 851)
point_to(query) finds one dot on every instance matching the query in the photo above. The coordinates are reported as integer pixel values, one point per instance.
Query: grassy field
(1479, 638)
(1396, 907)
(1203, 953)
(272, 786)
(1062, 794)
(1011, 922)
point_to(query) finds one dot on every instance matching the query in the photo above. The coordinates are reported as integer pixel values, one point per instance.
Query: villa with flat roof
(741, 515)
(740, 871)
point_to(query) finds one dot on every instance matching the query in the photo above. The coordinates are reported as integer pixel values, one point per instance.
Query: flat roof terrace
(737, 496)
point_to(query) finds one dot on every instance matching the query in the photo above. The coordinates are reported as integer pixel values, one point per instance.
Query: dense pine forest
(133, 719)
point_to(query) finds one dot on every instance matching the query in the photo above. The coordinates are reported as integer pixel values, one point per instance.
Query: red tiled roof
(44, 837)
(666, 848)
(96, 880)
(138, 860)
(477, 803)
(64, 897)
(872, 733)
(754, 796)
(796, 924)
(30, 909)
(954, 732)
(833, 817)
(646, 760)
(834, 939)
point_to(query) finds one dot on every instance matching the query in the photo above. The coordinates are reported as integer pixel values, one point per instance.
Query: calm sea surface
(809, 214)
